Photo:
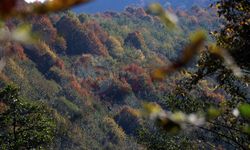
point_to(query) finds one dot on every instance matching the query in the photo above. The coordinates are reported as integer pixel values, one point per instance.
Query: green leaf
(246, 129)
(245, 110)
(213, 113)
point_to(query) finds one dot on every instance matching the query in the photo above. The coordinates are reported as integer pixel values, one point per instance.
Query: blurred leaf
(161, 118)
(23, 34)
(196, 119)
(172, 122)
(56, 5)
(236, 112)
(218, 5)
(197, 41)
(9, 8)
(245, 110)
(213, 113)
(168, 18)
(228, 59)
(152, 110)
(168, 125)
(160, 73)
(4, 34)
(246, 129)
(178, 117)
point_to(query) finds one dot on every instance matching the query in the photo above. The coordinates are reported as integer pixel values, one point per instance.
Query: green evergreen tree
(24, 124)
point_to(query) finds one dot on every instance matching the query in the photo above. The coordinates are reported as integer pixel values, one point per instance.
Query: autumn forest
(156, 75)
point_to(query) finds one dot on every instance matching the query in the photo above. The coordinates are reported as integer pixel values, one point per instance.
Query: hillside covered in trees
(114, 5)
(100, 81)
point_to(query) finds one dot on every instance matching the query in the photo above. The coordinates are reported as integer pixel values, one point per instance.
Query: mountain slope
(94, 71)
(114, 5)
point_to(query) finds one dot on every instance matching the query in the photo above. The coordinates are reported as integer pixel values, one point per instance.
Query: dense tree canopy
(125, 79)
(24, 124)
(235, 35)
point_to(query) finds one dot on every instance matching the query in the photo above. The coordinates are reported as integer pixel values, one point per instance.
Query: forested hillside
(114, 5)
(90, 75)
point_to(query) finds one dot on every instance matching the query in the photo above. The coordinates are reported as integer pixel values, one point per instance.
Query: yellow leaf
(197, 40)
(23, 34)
(168, 18)
(152, 108)
(160, 73)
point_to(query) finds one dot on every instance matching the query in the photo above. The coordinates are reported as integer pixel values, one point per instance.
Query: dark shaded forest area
(152, 76)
